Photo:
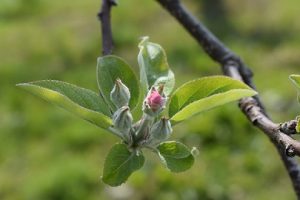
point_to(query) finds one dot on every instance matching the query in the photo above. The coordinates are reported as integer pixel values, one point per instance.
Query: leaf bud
(142, 127)
(122, 121)
(120, 94)
(160, 131)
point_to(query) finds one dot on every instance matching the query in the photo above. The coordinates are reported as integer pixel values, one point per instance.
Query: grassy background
(46, 153)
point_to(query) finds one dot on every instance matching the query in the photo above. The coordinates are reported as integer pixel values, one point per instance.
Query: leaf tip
(144, 39)
(195, 151)
(292, 76)
(22, 84)
(295, 78)
(253, 92)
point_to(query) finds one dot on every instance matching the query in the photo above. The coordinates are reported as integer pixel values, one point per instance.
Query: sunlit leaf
(176, 156)
(82, 102)
(120, 163)
(205, 93)
(154, 67)
(109, 69)
(295, 79)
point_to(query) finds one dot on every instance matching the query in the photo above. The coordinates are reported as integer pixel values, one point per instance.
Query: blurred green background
(47, 153)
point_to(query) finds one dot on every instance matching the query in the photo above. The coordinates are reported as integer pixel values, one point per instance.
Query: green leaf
(82, 102)
(154, 68)
(205, 93)
(120, 163)
(176, 156)
(109, 69)
(295, 79)
(298, 124)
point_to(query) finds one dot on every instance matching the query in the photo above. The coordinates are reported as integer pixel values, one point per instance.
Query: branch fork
(233, 66)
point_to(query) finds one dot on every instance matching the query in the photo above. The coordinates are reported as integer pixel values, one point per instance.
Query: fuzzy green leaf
(109, 69)
(120, 163)
(176, 156)
(154, 67)
(82, 102)
(205, 93)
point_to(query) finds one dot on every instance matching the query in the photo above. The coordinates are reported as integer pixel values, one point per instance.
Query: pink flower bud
(154, 102)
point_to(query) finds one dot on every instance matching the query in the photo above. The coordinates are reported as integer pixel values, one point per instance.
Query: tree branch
(104, 17)
(233, 66)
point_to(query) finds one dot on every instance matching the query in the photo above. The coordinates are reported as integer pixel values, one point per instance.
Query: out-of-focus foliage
(46, 153)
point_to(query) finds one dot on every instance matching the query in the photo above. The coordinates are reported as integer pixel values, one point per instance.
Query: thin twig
(233, 66)
(104, 17)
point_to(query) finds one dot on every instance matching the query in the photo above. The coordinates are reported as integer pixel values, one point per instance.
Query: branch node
(233, 66)
(289, 127)
(290, 151)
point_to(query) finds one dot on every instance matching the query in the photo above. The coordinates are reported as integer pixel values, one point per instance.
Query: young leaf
(298, 124)
(298, 127)
(154, 68)
(205, 93)
(120, 163)
(176, 156)
(109, 69)
(82, 102)
(295, 79)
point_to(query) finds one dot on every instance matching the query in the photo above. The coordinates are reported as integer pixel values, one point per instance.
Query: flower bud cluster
(148, 130)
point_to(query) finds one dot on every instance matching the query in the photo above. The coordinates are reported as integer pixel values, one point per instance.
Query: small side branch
(104, 17)
(289, 127)
(233, 66)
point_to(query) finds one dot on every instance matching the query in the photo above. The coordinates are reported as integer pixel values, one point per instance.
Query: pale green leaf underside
(176, 156)
(79, 101)
(109, 69)
(154, 67)
(119, 164)
(205, 93)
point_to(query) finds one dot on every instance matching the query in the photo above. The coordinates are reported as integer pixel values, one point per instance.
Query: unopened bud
(154, 102)
(142, 128)
(161, 130)
(122, 121)
(120, 94)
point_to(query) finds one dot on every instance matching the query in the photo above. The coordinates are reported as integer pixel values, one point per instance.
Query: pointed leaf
(82, 102)
(154, 67)
(203, 94)
(109, 69)
(176, 156)
(120, 163)
(295, 79)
